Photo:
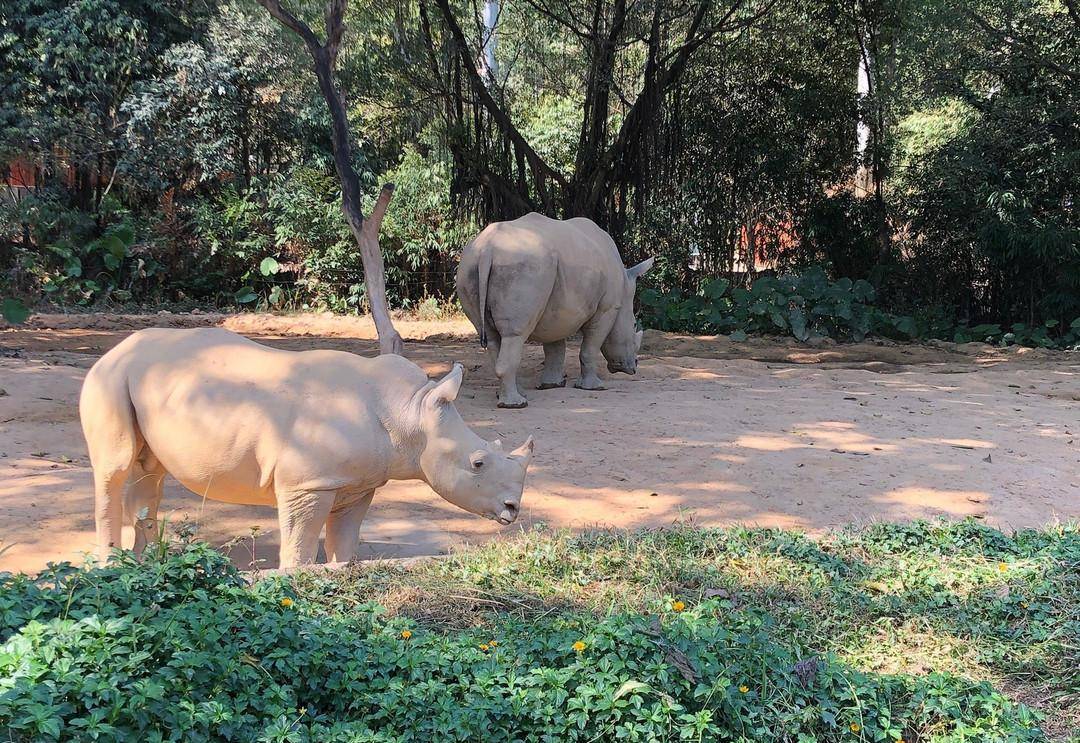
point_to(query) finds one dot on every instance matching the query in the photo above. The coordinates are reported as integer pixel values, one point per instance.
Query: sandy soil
(761, 432)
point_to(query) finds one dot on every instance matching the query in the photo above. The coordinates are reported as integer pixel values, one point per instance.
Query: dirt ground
(762, 432)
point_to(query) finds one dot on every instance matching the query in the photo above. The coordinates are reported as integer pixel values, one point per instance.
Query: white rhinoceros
(543, 280)
(312, 432)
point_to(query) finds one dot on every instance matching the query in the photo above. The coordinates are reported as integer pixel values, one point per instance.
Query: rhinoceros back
(545, 277)
(220, 411)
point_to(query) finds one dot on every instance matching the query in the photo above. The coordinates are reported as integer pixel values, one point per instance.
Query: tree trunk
(863, 185)
(489, 65)
(366, 232)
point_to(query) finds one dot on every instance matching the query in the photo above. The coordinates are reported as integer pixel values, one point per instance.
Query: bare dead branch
(364, 231)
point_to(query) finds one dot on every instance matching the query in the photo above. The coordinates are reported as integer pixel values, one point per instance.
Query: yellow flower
(286, 602)
(578, 646)
(744, 688)
(493, 643)
(406, 634)
(855, 727)
(1023, 604)
(677, 605)
(485, 647)
(1002, 567)
(303, 711)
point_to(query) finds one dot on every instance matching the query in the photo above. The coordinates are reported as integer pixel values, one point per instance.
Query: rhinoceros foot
(514, 405)
(551, 385)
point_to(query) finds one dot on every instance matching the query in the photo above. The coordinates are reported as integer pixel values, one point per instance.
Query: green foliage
(987, 165)
(763, 121)
(200, 126)
(180, 648)
(421, 227)
(13, 311)
(285, 241)
(77, 267)
(219, 107)
(797, 305)
(810, 305)
(550, 125)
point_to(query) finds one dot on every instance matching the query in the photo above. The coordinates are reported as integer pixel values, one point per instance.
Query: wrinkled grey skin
(543, 280)
(314, 433)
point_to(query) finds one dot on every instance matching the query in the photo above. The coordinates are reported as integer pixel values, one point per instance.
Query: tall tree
(644, 44)
(365, 231)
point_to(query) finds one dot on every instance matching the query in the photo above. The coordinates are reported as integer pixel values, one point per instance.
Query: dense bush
(180, 648)
(809, 304)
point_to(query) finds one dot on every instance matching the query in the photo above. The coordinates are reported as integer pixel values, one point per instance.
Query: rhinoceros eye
(477, 461)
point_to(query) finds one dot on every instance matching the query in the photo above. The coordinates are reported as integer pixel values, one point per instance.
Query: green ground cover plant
(915, 632)
(808, 304)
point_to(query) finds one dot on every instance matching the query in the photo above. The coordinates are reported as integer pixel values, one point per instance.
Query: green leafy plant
(13, 311)
(181, 647)
(791, 305)
(809, 304)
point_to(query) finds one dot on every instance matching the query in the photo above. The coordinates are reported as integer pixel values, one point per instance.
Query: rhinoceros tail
(484, 269)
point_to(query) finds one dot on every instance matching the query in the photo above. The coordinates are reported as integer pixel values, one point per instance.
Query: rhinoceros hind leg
(145, 484)
(506, 369)
(301, 516)
(554, 374)
(108, 508)
(494, 346)
(343, 529)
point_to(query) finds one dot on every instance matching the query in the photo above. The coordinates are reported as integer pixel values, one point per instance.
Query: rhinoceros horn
(524, 452)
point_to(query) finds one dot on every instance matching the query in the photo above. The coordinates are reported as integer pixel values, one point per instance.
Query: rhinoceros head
(463, 468)
(623, 342)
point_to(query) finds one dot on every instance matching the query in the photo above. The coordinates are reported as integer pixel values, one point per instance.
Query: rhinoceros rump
(543, 280)
(313, 432)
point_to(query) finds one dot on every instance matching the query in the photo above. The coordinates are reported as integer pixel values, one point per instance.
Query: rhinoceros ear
(645, 265)
(446, 389)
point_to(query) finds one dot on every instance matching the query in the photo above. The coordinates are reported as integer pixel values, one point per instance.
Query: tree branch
(553, 17)
(287, 19)
(366, 232)
(540, 168)
(374, 220)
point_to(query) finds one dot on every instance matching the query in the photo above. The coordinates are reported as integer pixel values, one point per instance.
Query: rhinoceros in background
(312, 432)
(543, 280)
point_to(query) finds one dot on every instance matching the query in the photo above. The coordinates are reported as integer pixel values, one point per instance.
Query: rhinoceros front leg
(343, 529)
(506, 369)
(145, 485)
(592, 338)
(554, 374)
(301, 515)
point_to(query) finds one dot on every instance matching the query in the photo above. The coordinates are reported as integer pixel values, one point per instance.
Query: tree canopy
(929, 148)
